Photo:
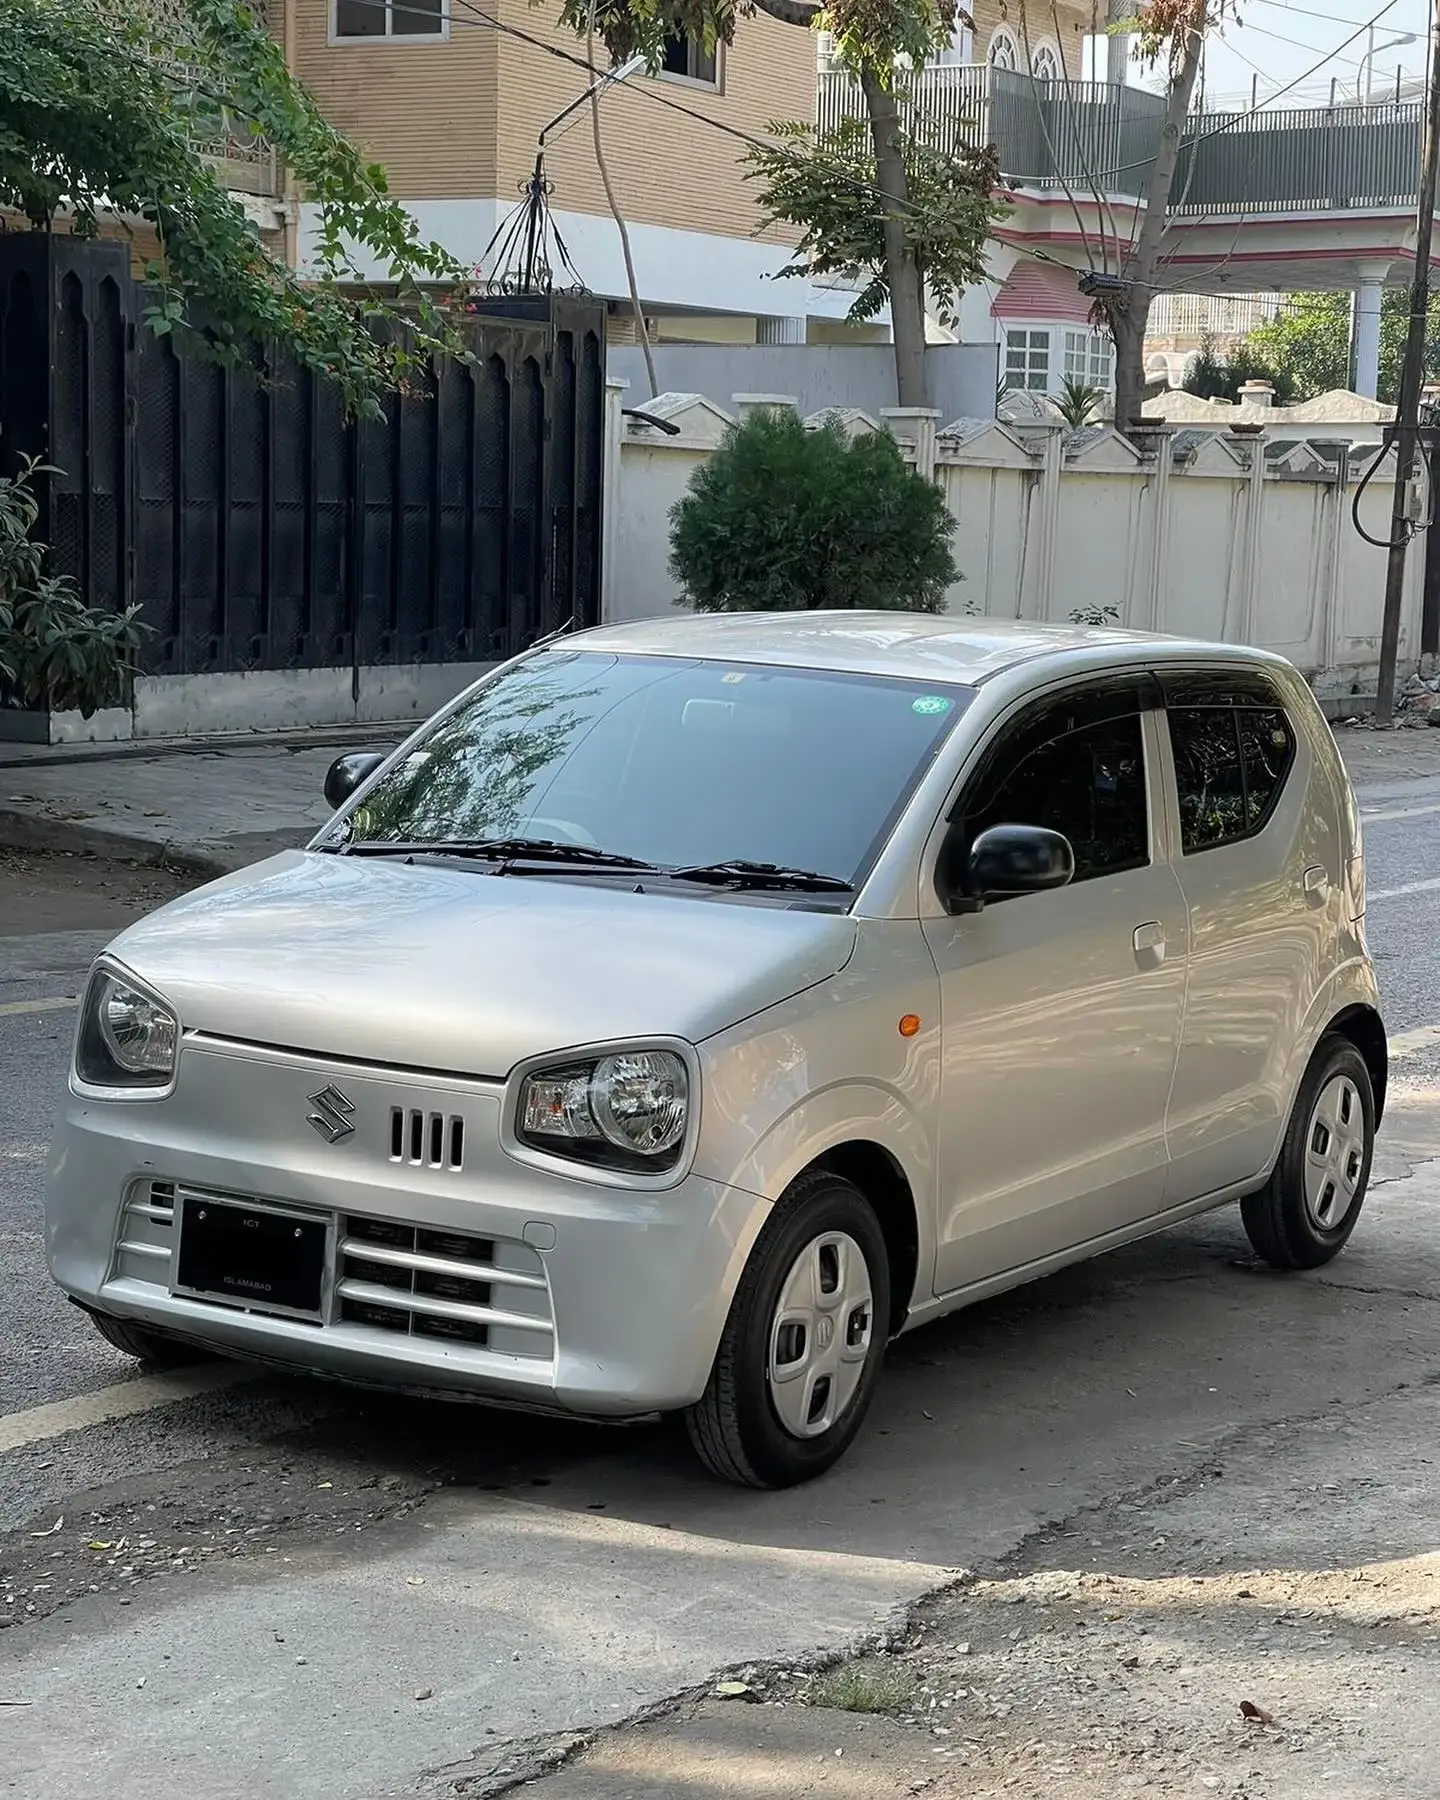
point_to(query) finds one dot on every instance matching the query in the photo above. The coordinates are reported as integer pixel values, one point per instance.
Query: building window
(390, 18)
(1004, 52)
(1089, 358)
(687, 59)
(1045, 64)
(1027, 360)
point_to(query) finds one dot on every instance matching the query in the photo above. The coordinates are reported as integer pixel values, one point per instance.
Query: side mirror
(1013, 859)
(347, 773)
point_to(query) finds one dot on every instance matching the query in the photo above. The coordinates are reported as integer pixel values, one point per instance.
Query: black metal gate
(257, 526)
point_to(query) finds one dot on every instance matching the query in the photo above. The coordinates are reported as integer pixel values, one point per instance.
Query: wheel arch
(877, 1173)
(1362, 1026)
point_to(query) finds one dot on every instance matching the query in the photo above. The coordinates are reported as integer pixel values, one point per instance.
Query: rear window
(1230, 766)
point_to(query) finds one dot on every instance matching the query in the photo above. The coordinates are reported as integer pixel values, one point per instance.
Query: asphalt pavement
(239, 1584)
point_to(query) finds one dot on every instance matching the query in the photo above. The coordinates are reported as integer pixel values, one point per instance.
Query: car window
(673, 761)
(1071, 772)
(1230, 765)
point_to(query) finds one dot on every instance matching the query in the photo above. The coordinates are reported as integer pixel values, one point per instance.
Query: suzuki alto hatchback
(692, 1006)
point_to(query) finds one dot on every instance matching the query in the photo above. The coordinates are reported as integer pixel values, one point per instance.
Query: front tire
(801, 1352)
(156, 1348)
(1305, 1213)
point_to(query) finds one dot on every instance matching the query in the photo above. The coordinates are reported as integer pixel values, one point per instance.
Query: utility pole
(1407, 412)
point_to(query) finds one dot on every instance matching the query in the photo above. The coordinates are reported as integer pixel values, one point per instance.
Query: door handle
(1315, 884)
(1149, 942)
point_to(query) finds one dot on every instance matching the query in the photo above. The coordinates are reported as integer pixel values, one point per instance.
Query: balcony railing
(1088, 136)
(241, 161)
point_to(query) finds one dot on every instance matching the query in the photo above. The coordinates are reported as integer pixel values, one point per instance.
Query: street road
(239, 1585)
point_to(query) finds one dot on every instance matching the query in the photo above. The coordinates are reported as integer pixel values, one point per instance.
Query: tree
(1310, 342)
(823, 182)
(787, 518)
(1214, 377)
(1171, 32)
(872, 38)
(101, 109)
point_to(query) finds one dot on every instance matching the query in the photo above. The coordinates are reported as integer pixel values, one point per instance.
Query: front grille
(426, 1140)
(147, 1232)
(414, 1281)
(420, 1282)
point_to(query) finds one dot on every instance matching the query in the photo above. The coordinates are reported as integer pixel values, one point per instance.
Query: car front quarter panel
(829, 1068)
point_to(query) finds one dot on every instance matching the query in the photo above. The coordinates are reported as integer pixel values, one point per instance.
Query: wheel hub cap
(820, 1335)
(1334, 1153)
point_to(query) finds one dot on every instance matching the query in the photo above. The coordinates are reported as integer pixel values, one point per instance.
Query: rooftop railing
(1090, 137)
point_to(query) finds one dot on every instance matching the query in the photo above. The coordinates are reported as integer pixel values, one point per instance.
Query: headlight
(627, 1111)
(128, 1037)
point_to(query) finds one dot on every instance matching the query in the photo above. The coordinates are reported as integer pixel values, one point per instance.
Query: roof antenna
(559, 632)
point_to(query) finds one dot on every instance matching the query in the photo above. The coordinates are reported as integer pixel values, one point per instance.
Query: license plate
(251, 1256)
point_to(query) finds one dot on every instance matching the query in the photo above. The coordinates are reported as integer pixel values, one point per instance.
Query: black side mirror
(1013, 859)
(346, 774)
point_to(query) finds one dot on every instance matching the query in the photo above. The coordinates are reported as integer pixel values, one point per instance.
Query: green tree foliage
(55, 651)
(1310, 341)
(873, 39)
(1078, 403)
(786, 518)
(102, 106)
(823, 182)
(1220, 378)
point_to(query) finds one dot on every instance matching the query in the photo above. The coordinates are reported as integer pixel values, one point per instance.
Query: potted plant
(57, 655)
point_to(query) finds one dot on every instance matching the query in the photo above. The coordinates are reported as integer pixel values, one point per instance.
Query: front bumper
(469, 1274)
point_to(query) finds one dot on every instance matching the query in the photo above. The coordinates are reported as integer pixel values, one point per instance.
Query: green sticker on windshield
(930, 706)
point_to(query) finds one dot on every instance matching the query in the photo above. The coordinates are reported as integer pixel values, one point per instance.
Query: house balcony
(241, 161)
(1095, 140)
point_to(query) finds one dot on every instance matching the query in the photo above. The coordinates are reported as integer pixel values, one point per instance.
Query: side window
(1079, 775)
(1230, 765)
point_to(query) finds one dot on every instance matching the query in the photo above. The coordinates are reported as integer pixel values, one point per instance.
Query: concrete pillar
(1367, 337)
(1117, 44)
(779, 331)
(915, 427)
(610, 492)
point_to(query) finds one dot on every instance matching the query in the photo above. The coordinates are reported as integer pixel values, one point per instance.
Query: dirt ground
(79, 893)
(1266, 1629)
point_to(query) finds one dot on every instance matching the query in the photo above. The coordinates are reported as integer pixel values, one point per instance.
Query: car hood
(451, 968)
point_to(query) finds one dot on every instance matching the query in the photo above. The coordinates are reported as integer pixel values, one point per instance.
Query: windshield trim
(570, 650)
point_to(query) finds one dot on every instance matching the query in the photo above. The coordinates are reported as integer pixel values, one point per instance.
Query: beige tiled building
(451, 95)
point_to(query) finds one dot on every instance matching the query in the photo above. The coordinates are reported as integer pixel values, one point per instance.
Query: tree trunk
(902, 274)
(1130, 319)
(902, 271)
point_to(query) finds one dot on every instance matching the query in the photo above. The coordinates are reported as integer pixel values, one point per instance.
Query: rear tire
(800, 1356)
(1305, 1213)
(154, 1347)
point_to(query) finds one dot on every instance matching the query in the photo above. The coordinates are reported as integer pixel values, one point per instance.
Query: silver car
(692, 1006)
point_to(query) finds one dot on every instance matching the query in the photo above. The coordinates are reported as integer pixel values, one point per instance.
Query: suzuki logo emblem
(332, 1115)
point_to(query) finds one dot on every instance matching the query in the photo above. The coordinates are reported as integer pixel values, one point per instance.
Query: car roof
(953, 648)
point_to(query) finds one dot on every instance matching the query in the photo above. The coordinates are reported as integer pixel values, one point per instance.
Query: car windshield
(676, 763)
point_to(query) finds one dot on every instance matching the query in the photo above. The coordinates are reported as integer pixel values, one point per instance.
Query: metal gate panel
(261, 529)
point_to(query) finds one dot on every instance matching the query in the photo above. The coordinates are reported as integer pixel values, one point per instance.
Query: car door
(1060, 1010)
(1258, 865)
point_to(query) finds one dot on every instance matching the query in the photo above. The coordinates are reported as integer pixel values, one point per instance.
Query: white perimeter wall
(1234, 540)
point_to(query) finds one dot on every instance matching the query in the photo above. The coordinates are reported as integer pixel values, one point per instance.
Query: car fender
(1352, 984)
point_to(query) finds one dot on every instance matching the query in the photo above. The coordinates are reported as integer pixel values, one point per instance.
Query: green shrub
(55, 651)
(784, 518)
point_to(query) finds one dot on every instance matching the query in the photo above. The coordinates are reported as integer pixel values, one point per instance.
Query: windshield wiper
(739, 873)
(497, 850)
